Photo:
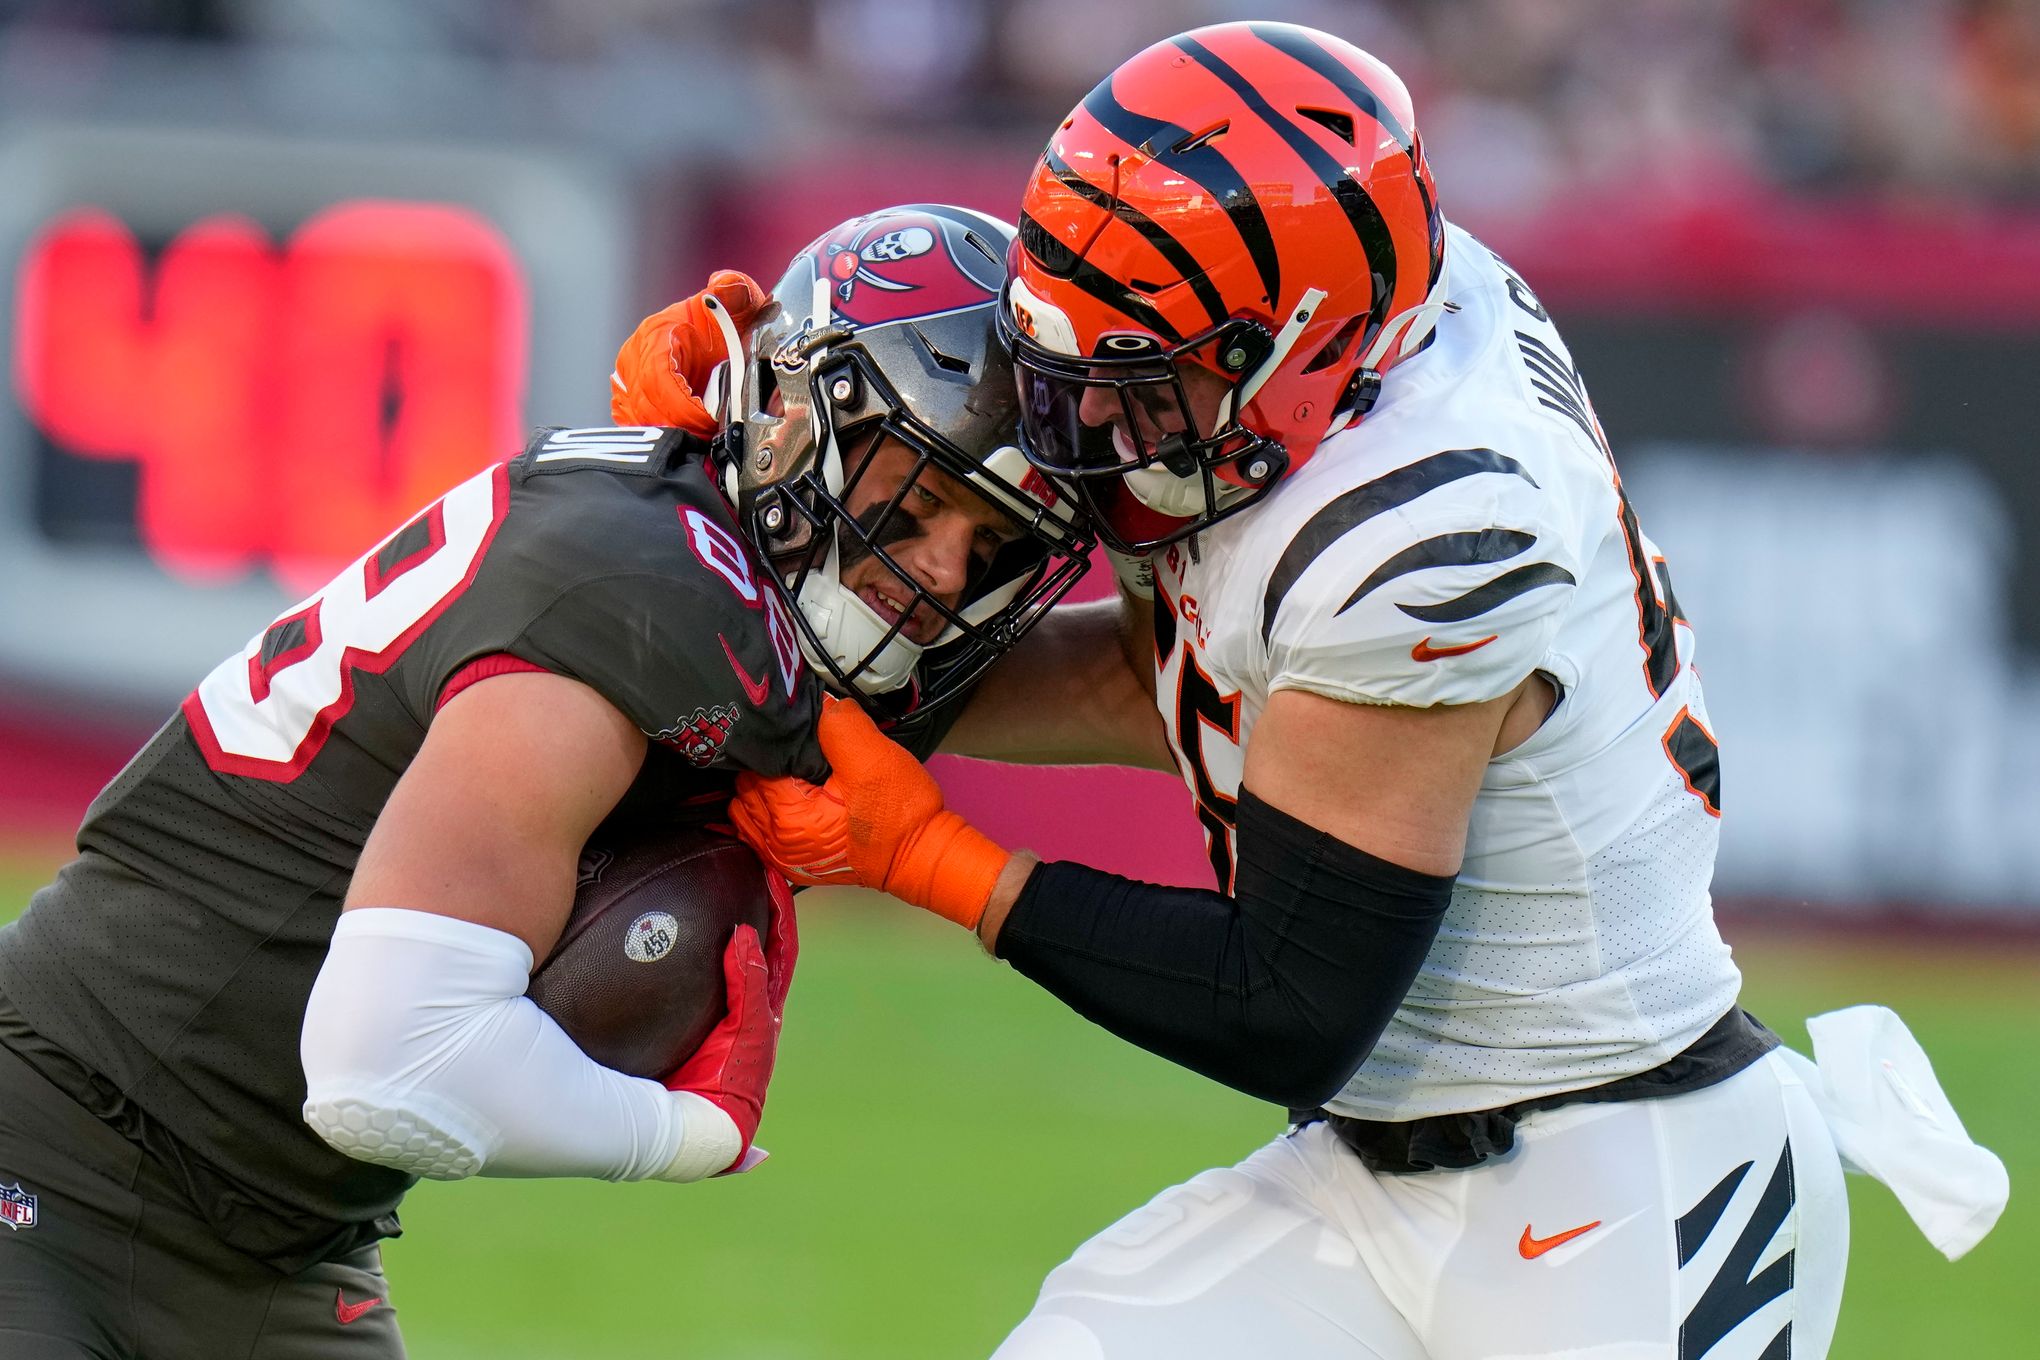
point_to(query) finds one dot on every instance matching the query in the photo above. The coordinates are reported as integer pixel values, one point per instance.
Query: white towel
(1890, 1120)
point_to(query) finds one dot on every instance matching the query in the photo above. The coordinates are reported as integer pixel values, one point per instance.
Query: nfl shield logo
(17, 1207)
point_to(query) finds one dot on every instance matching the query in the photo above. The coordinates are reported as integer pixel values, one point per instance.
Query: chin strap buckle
(1360, 395)
(1412, 328)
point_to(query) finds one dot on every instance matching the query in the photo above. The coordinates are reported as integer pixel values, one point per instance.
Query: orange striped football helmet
(1222, 249)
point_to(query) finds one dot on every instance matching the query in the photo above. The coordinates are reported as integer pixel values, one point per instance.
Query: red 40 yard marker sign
(286, 402)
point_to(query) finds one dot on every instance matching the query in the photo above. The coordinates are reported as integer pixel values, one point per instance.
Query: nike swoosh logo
(758, 690)
(1424, 651)
(350, 1312)
(1534, 1247)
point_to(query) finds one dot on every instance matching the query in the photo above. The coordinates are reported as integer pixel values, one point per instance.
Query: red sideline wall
(51, 768)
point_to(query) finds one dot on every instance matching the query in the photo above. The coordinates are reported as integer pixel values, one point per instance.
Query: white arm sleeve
(422, 1053)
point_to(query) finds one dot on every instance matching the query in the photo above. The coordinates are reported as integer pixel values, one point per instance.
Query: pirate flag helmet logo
(898, 266)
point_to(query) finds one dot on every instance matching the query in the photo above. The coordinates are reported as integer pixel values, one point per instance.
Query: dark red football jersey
(162, 978)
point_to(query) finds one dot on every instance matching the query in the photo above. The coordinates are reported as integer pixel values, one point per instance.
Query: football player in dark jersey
(285, 976)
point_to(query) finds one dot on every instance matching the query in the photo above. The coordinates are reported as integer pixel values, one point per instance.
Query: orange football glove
(668, 358)
(879, 823)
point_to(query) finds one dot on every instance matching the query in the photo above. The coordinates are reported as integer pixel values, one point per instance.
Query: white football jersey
(1469, 532)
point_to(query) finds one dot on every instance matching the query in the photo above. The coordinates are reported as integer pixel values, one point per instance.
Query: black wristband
(1279, 991)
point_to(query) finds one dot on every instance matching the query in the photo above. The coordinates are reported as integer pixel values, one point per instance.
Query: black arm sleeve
(1279, 991)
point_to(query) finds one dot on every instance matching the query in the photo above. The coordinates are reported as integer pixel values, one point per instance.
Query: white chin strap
(721, 380)
(848, 630)
(1411, 328)
(1161, 490)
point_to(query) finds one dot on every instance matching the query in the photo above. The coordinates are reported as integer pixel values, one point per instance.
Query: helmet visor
(1108, 416)
(1148, 435)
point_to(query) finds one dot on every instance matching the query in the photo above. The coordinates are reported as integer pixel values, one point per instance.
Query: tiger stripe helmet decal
(1245, 174)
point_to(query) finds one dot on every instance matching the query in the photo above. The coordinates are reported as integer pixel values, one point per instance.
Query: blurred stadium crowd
(1796, 243)
(1524, 99)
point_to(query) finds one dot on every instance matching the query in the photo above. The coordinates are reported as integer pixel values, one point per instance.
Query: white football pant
(1706, 1226)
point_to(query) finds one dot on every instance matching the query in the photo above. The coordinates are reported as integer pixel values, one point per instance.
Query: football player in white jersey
(1433, 695)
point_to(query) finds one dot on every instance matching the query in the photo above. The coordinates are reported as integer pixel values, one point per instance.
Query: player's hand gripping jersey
(1470, 531)
(162, 979)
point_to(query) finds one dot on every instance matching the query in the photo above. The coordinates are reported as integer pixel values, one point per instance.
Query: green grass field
(943, 1134)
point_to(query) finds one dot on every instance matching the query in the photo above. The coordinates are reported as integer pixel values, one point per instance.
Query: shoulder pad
(641, 587)
(615, 448)
(1441, 582)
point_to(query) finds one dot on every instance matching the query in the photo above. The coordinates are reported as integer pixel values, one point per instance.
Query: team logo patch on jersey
(700, 737)
(902, 266)
(650, 937)
(17, 1207)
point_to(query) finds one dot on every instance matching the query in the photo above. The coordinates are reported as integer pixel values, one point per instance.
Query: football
(637, 976)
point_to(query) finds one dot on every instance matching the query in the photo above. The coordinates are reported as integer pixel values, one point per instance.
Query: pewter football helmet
(885, 327)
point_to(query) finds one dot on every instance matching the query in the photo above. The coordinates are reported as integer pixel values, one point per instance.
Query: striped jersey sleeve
(1443, 581)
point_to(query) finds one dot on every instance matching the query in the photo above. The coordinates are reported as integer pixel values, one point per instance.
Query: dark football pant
(115, 1263)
